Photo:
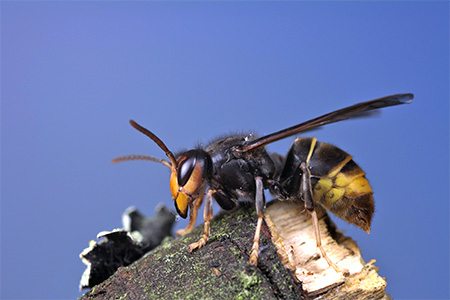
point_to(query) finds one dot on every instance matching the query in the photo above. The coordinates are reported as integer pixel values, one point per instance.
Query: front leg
(207, 216)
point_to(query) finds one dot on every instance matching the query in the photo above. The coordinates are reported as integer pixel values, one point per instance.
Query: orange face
(186, 182)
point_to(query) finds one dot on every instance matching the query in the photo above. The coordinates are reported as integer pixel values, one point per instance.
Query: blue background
(74, 73)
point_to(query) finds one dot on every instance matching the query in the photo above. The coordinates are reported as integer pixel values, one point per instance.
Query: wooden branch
(289, 264)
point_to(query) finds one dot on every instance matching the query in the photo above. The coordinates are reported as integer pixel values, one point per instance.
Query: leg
(319, 245)
(192, 216)
(306, 194)
(260, 203)
(207, 216)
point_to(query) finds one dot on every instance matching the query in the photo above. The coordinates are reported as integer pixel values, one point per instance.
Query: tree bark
(289, 264)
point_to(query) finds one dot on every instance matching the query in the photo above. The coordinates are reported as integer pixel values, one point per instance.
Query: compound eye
(186, 166)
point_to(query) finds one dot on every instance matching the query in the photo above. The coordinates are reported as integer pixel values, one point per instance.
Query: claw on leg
(319, 245)
(202, 240)
(255, 248)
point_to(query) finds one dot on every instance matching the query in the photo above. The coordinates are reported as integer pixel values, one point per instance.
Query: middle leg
(260, 204)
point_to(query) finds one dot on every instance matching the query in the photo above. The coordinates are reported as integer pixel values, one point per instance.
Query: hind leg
(306, 195)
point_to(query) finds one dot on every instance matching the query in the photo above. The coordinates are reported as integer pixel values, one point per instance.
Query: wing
(362, 109)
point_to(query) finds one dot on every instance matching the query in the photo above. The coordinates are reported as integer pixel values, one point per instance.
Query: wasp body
(239, 168)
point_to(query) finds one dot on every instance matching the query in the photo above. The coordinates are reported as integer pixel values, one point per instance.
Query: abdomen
(338, 183)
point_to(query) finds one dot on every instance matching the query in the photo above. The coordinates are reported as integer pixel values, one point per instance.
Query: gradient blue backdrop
(74, 73)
